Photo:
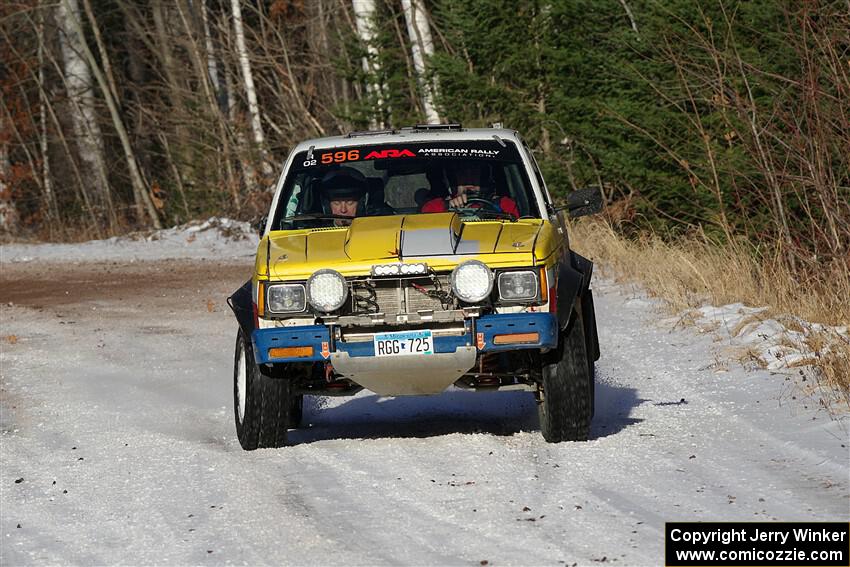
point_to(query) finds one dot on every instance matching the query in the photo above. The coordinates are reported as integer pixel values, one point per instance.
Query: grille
(393, 296)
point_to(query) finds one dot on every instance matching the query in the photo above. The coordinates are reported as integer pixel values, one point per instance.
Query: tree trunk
(9, 220)
(541, 23)
(364, 18)
(321, 30)
(164, 44)
(177, 88)
(421, 46)
(44, 147)
(408, 65)
(87, 131)
(82, 189)
(143, 201)
(631, 17)
(212, 64)
(296, 85)
(214, 99)
(248, 80)
(249, 174)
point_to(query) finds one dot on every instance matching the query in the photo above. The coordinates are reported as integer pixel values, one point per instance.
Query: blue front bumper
(487, 328)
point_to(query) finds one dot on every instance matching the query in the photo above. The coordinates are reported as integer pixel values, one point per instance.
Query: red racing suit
(440, 205)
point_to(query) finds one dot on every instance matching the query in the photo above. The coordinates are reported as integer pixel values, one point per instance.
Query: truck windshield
(478, 179)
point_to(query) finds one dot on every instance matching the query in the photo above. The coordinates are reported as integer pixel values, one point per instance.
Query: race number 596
(340, 156)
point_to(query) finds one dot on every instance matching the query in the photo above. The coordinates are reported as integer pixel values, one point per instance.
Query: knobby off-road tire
(296, 411)
(261, 405)
(591, 343)
(566, 407)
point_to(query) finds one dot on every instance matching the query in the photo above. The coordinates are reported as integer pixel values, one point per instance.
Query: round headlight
(472, 281)
(326, 290)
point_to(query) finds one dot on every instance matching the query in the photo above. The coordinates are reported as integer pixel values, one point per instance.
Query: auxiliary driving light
(472, 281)
(327, 290)
(399, 269)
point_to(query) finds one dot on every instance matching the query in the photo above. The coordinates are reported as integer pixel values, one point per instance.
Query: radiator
(394, 296)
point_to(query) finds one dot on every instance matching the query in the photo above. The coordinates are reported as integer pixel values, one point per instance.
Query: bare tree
(78, 82)
(248, 82)
(422, 47)
(9, 220)
(44, 146)
(144, 204)
(207, 76)
(364, 17)
(212, 64)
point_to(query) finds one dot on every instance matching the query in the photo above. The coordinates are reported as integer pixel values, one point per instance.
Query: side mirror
(260, 225)
(583, 202)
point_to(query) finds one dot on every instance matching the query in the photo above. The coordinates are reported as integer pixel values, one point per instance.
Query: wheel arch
(573, 283)
(241, 302)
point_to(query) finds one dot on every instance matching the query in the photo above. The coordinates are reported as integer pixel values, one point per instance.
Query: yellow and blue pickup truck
(408, 261)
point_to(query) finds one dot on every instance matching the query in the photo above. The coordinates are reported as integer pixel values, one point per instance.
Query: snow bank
(753, 336)
(218, 238)
(774, 343)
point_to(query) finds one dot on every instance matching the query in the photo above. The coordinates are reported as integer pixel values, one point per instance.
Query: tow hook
(539, 394)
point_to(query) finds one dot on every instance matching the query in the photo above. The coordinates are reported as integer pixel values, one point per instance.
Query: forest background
(718, 130)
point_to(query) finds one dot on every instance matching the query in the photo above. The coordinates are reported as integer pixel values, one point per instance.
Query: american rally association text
(755, 534)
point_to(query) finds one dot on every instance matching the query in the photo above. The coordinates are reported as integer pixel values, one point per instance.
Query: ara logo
(383, 154)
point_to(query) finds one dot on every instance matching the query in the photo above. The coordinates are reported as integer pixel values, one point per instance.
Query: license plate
(404, 343)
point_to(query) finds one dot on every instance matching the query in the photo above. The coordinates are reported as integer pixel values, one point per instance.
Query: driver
(343, 193)
(467, 185)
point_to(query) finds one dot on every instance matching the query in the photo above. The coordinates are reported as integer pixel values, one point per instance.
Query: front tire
(564, 397)
(296, 411)
(261, 405)
(591, 342)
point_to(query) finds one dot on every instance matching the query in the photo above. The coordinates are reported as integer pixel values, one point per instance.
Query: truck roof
(428, 133)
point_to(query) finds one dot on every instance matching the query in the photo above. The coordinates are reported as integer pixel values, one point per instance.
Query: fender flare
(241, 302)
(242, 305)
(573, 283)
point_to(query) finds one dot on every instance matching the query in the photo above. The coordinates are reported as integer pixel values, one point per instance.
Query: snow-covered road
(118, 444)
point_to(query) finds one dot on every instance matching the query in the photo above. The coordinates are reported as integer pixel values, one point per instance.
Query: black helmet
(480, 171)
(343, 183)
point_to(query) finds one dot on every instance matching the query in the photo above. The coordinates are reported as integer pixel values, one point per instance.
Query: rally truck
(409, 261)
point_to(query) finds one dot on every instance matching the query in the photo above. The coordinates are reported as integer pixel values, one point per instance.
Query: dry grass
(836, 370)
(694, 270)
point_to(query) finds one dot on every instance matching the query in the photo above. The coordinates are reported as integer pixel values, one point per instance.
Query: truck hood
(370, 240)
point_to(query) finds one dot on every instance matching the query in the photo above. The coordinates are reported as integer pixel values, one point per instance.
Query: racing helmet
(471, 172)
(343, 183)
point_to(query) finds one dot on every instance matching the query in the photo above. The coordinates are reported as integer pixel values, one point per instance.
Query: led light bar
(381, 270)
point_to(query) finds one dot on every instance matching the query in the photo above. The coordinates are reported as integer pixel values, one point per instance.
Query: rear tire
(261, 404)
(565, 403)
